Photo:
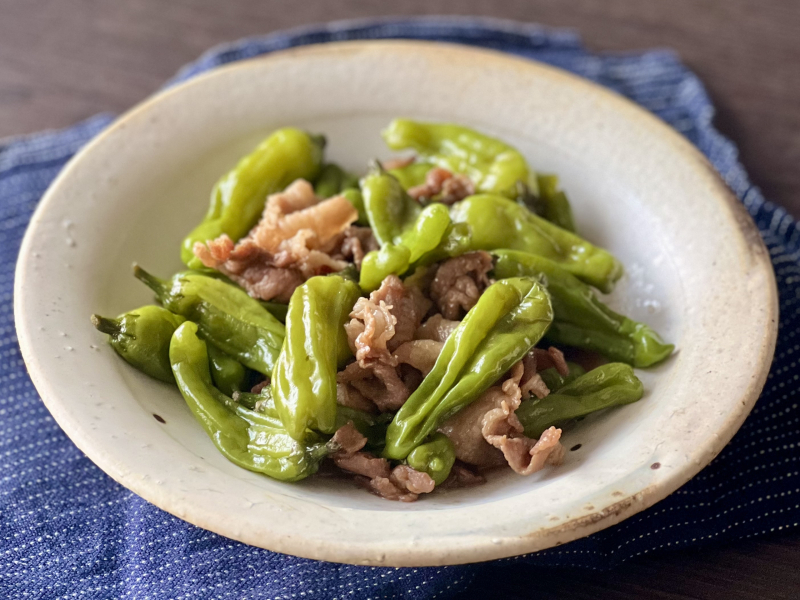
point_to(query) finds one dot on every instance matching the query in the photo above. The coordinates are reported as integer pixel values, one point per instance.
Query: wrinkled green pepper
(493, 166)
(555, 380)
(434, 457)
(353, 196)
(304, 379)
(252, 440)
(411, 175)
(228, 374)
(550, 203)
(581, 320)
(142, 338)
(498, 223)
(405, 230)
(373, 427)
(333, 180)
(613, 384)
(227, 317)
(238, 198)
(507, 321)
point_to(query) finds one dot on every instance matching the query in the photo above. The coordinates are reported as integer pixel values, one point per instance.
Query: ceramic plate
(696, 270)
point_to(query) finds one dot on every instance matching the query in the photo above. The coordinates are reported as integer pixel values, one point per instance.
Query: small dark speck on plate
(159, 418)
(575, 447)
(655, 465)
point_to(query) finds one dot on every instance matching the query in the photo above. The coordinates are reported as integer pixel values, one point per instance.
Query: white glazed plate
(696, 270)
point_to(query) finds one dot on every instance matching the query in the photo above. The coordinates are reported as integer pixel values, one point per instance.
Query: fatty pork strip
(401, 483)
(487, 433)
(447, 187)
(459, 282)
(379, 326)
(297, 237)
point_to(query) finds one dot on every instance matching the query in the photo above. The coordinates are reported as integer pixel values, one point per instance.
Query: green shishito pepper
(554, 380)
(613, 384)
(405, 230)
(254, 441)
(509, 318)
(498, 223)
(333, 180)
(142, 338)
(227, 373)
(238, 198)
(493, 166)
(304, 379)
(435, 457)
(581, 320)
(373, 427)
(555, 206)
(227, 317)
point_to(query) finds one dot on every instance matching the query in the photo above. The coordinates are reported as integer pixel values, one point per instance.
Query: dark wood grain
(64, 60)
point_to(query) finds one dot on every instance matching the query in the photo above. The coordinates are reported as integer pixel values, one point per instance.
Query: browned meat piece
(384, 321)
(297, 208)
(411, 480)
(527, 456)
(465, 431)
(355, 243)
(350, 397)
(348, 439)
(532, 382)
(291, 243)
(460, 476)
(370, 328)
(398, 163)
(380, 383)
(459, 282)
(436, 328)
(256, 389)
(441, 183)
(363, 463)
(383, 487)
(552, 357)
(420, 354)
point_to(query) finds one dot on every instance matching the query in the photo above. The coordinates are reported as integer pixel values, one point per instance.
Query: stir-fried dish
(407, 329)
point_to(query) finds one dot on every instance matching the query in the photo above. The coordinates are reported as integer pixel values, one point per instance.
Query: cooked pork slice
(527, 456)
(355, 243)
(411, 480)
(420, 354)
(531, 382)
(380, 383)
(398, 163)
(552, 357)
(363, 463)
(441, 183)
(347, 395)
(465, 431)
(348, 439)
(436, 328)
(383, 487)
(459, 282)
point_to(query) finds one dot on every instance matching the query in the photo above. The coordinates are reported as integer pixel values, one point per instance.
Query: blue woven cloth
(68, 530)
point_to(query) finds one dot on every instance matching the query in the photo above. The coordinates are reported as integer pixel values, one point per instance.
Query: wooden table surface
(64, 60)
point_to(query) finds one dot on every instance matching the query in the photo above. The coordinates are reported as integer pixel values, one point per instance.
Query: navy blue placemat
(69, 531)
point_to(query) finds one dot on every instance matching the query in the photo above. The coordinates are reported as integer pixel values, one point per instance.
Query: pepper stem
(151, 281)
(105, 325)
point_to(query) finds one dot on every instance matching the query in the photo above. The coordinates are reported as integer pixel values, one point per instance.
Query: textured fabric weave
(69, 531)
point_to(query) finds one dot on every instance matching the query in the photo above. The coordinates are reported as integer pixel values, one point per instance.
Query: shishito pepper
(554, 380)
(333, 180)
(498, 223)
(304, 379)
(613, 384)
(238, 198)
(405, 230)
(434, 457)
(229, 374)
(581, 319)
(550, 203)
(142, 338)
(493, 166)
(255, 441)
(507, 321)
(227, 317)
